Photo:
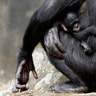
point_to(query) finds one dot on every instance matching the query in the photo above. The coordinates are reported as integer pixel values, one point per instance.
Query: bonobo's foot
(87, 49)
(22, 75)
(68, 87)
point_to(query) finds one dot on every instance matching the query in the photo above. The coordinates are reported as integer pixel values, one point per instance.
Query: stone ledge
(44, 93)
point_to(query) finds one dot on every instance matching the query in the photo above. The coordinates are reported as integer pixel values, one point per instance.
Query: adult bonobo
(76, 65)
(42, 20)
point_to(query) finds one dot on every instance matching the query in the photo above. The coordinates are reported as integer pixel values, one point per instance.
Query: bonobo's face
(72, 22)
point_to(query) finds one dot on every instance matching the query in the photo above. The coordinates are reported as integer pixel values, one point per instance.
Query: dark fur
(78, 67)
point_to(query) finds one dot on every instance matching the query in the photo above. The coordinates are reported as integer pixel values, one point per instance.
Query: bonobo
(89, 33)
(78, 67)
(70, 25)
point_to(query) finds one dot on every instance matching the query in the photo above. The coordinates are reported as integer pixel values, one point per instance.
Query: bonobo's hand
(53, 44)
(22, 75)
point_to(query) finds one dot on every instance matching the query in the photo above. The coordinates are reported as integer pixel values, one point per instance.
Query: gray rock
(46, 72)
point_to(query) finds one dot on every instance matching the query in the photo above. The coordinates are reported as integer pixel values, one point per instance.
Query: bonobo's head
(71, 22)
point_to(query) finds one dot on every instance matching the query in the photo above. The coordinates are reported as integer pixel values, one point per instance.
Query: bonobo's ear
(83, 7)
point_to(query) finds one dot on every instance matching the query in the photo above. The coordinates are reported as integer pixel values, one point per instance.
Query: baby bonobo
(70, 25)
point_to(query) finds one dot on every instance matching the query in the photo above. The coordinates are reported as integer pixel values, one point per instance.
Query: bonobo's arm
(40, 22)
(82, 35)
(52, 42)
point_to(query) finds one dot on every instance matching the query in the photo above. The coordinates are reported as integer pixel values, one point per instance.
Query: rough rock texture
(46, 72)
(47, 76)
(44, 93)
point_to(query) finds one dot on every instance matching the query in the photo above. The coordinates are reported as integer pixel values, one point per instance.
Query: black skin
(41, 21)
(76, 65)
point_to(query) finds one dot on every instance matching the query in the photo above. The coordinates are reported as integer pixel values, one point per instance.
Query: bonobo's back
(81, 64)
(75, 63)
(92, 11)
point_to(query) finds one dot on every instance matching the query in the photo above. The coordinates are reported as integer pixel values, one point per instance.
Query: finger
(19, 86)
(23, 62)
(32, 68)
(46, 41)
(22, 87)
(16, 87)
(60, 47)
(84, 45)
(64, 28)
(35, 74)
(56, 41)
(55, 52)
(20, 68)
(22, 75)
(15, 90)
(21, 71)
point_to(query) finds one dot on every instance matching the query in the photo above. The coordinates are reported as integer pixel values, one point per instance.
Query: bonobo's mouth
(76, 27)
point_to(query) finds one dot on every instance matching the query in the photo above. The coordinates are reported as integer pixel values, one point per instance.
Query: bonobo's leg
(41, 21)
(71, 21)
(87, 49)
(92, 42)
(82, 35)
(74, 85)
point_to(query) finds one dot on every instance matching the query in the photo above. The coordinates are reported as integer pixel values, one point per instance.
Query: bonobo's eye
(74, 22)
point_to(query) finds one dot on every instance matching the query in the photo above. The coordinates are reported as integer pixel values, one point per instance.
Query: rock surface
(47, 76)
(44, 93)
(46, 72)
